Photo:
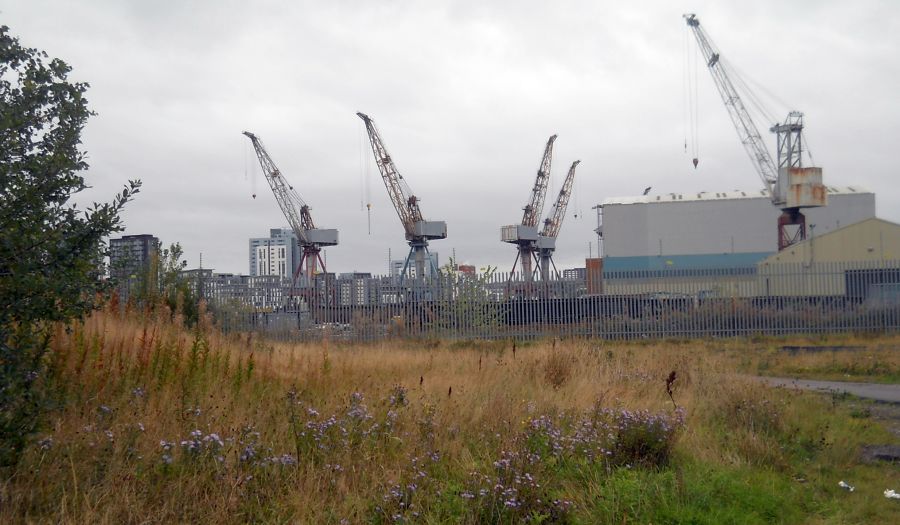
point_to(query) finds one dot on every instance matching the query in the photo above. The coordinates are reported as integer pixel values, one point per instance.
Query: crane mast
(297, 213)
(791, 186)
(417, 230)
(525, 234)
(546, 242)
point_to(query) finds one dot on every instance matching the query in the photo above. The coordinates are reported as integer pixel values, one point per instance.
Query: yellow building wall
(817, 266)
(868, 240)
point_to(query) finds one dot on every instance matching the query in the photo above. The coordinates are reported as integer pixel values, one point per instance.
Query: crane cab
(804, 187)
(514, 233)
(430, 229)
(546, 243)
(322, 237)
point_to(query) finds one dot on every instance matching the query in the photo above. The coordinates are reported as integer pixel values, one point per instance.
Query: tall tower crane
(418, 231)
(525, 234)
(546, 242)
(310, 238)
(791, 186)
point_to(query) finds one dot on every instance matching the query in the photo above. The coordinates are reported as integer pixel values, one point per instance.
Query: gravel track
(877, 391)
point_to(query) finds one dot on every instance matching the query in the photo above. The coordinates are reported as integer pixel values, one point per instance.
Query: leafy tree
(468, 306)
(51, 253)
(162, 282)
(174, 288)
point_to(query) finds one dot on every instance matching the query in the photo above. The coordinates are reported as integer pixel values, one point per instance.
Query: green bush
(51, 253)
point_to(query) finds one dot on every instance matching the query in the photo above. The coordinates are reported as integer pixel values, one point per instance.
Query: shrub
(50, 253)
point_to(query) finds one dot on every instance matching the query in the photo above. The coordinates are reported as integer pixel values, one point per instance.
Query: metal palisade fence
(772, 299)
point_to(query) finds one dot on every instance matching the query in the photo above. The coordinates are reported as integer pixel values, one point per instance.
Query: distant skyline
(465, 94)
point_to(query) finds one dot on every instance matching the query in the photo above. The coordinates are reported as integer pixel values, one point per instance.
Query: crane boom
(295, 210)
(536, 204)
(553, 222)
(747, 131)
(418, 231)
(406, 204)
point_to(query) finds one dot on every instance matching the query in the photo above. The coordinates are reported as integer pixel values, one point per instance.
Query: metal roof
(717, 196)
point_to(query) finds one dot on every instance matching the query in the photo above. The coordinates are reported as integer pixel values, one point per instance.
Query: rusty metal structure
(525, 234)
(546, 242)
(297, 213)
(418, 231)
(791, 186)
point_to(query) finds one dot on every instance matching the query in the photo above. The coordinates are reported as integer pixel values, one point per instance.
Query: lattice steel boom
(747, 131)
(406, 204)
(297, 213)
(553, 222)
(418, 231)
(295, 210)
(535, 205)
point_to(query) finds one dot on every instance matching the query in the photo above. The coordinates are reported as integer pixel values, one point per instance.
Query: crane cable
(684, 91)
(247, 174)
(365, 192)
(691, 99)
(759, 104)
(575, 198)
(756, 102)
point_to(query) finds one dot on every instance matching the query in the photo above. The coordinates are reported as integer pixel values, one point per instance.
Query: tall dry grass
(159, 423)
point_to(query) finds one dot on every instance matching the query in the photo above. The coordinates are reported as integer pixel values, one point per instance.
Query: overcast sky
(465, 95)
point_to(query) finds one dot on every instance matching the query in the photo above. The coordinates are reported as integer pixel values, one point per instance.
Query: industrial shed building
(870, 241)
(860, 261)
(726, 231)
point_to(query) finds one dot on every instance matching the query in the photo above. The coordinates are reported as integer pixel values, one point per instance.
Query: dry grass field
(157, 423)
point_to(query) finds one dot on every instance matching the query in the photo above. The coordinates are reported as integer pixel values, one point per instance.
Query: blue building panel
(729, 262)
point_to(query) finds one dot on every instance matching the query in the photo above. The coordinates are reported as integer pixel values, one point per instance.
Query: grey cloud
(465, 94)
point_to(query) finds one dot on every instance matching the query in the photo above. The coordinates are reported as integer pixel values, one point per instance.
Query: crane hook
(696, 161)
(254, 195)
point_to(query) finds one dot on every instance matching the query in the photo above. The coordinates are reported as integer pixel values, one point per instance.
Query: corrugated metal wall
(709, 226)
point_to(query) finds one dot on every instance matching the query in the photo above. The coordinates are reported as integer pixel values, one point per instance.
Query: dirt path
(876, 391)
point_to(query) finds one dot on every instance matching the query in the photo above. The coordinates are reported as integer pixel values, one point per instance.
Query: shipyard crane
(790, 186)
(525, 234)
(546, 242)
(310, 238)
(418, 231)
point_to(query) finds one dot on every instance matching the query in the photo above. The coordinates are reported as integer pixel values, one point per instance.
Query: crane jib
(416, 228)
(295, 210)
(743, 123)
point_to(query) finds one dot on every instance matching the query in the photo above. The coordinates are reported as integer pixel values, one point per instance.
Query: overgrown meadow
(153, 422)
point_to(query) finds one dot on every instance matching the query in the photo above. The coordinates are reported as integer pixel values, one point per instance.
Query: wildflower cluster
(641, 437)
(398, 397)
(167, 449)
(358, 411)
(402, 501)
(513, 491)
(607, 437)
(319, 436)
(199, 444)
(614, 436)
(45, 443)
